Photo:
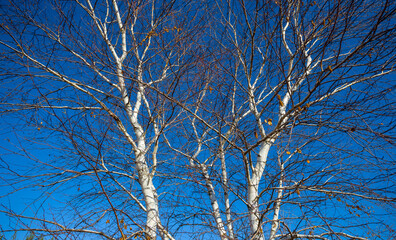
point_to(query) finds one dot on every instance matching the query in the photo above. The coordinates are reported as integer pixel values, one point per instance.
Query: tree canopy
(223, 119)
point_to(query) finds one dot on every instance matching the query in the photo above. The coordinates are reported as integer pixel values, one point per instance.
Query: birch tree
(97, 77)
(286, 134)
(199, 119)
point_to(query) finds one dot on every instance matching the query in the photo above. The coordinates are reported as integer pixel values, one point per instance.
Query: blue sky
(72, 139)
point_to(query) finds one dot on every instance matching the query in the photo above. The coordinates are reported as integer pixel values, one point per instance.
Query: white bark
(226, 193)
(278, 200)
(214, 203)
(253, 190)
(140, 149)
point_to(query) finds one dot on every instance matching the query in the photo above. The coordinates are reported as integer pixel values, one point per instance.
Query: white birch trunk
(214, 203)
(226, 194)
(145, 178)
(150, 197)
(275, 219)
(253, 191)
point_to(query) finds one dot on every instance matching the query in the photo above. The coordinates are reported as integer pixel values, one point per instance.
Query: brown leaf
(280, 100)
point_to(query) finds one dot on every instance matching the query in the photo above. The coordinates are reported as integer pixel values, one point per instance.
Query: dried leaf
(308, 161)
(280, 100)
(255, 134)
(210, 89)
(288, 152)
(108, 221)
(298, 150)
(269, 121)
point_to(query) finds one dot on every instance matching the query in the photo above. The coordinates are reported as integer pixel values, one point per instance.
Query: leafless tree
(200, 119)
